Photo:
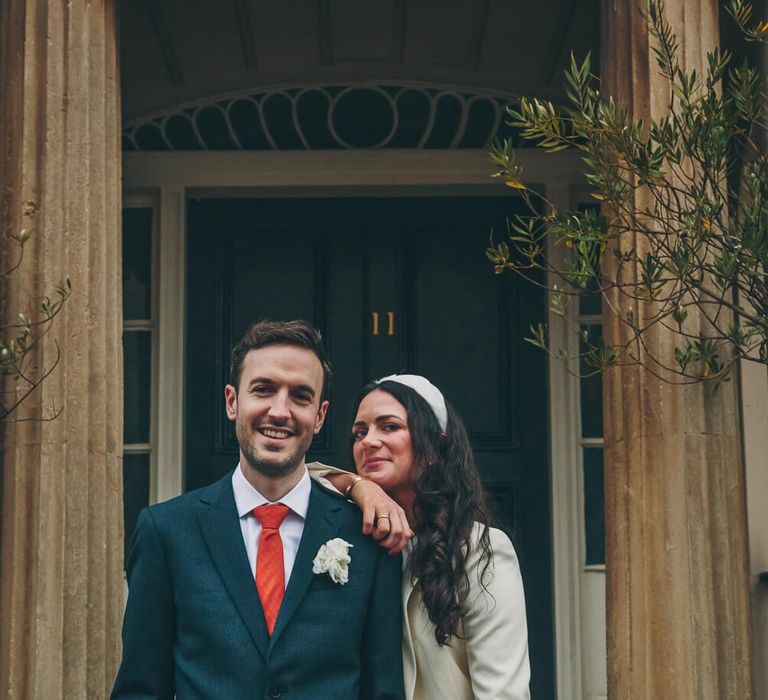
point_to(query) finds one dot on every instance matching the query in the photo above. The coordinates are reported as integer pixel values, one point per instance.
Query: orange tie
(270, 569)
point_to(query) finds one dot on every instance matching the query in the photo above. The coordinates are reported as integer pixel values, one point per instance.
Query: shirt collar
(247, 497)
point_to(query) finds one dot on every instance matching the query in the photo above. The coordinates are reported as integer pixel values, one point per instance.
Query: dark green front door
(395, 285)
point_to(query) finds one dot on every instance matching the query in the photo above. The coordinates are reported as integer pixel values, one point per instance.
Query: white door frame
(173, 177)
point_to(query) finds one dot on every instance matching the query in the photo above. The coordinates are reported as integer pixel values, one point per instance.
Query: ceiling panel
(175, 51)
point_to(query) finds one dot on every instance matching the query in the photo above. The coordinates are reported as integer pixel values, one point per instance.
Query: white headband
(427, 390)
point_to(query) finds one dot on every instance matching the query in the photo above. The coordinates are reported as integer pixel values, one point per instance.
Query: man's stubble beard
(270, 468)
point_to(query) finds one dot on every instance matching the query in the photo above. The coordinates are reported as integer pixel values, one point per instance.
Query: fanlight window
(325, 117)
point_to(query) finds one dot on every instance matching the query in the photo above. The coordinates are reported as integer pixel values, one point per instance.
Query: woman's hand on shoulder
(383, 518)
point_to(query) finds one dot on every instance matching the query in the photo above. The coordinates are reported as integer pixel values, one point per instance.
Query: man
(223, 603)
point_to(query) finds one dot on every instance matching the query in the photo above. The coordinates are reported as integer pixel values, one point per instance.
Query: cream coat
(490, 661)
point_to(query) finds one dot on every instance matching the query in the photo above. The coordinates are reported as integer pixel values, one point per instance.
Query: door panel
(464, 319)
(344, 264)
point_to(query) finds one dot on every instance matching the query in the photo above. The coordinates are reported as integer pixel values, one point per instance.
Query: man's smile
(275, 433)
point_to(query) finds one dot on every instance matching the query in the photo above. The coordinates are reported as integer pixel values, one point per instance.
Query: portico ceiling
(176, 51)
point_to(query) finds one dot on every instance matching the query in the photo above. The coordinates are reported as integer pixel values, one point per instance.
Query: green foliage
(20, 337)
(682, 236)
(742, 12)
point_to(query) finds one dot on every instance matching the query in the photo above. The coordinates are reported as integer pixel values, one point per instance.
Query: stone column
(676, 545)
(61, 589)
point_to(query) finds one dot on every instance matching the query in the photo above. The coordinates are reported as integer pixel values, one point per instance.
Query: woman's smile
(374, 463)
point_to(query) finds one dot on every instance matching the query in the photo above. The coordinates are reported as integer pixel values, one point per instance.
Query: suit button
(275, 693)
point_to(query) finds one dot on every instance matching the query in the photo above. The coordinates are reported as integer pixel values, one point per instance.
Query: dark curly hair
(449, 500)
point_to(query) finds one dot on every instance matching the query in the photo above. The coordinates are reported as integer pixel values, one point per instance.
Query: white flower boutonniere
(333, 559)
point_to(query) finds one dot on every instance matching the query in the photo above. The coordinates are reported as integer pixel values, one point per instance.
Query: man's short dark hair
(263, 333)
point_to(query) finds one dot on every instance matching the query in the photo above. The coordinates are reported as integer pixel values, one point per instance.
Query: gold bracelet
(349, 488)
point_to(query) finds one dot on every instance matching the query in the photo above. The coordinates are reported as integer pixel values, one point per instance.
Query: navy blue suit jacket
(194, 626)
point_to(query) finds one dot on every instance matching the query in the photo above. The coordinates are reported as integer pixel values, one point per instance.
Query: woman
(464, 631)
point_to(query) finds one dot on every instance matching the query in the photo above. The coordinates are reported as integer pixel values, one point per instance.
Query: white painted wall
(594, 671)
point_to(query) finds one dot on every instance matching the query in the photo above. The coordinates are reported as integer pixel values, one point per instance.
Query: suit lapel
(322, 523)
(220, 526)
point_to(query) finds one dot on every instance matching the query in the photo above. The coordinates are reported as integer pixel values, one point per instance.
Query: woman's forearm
(382, 517)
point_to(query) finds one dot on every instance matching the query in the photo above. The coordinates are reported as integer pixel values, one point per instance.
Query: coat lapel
(408, 581)
(322, 523)
(220, 526)
(409, 655)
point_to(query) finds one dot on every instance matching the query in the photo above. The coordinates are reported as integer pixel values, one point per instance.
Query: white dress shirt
(247, 498)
